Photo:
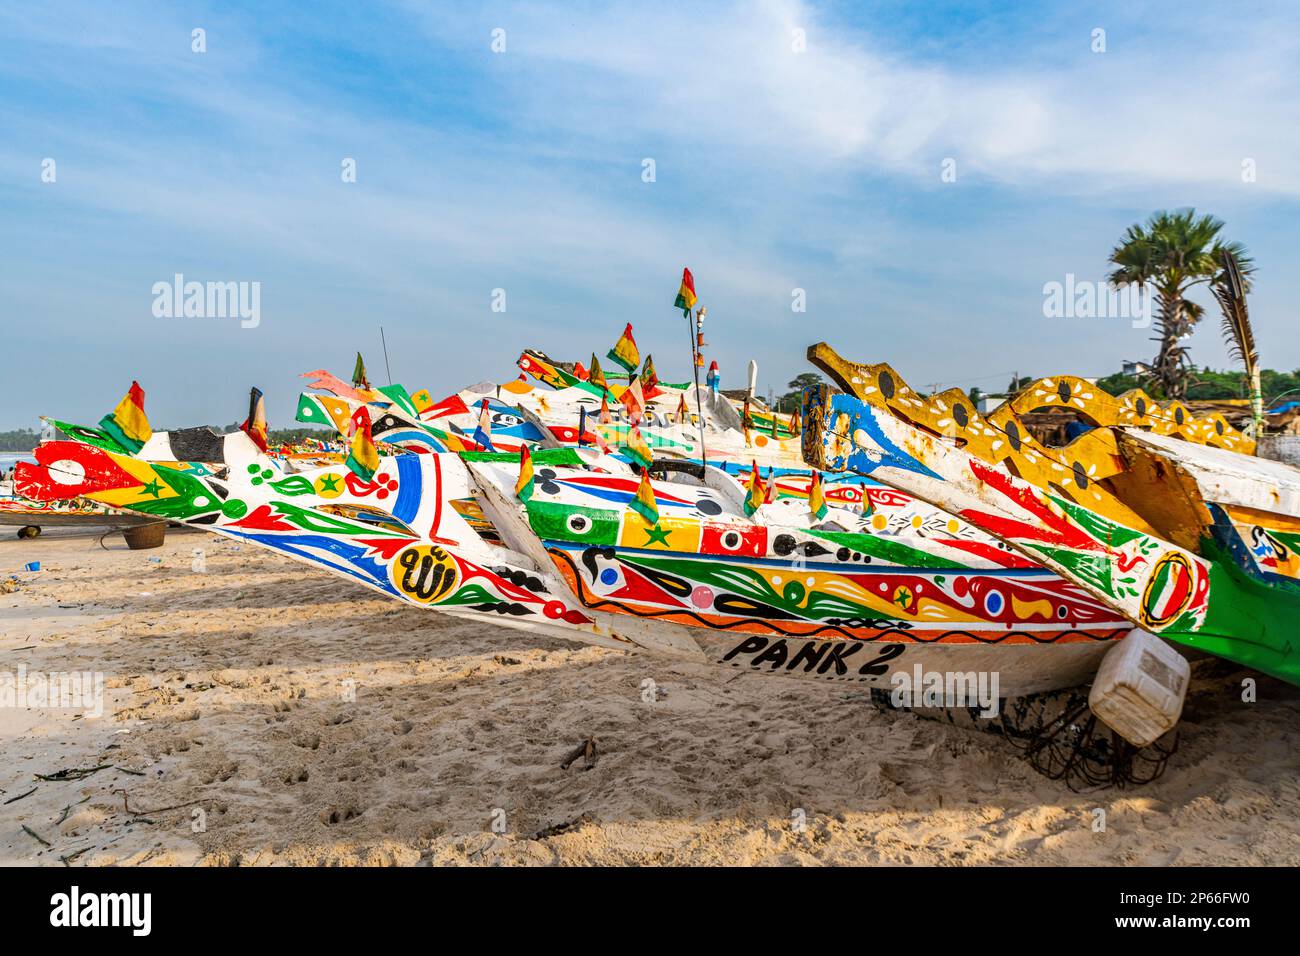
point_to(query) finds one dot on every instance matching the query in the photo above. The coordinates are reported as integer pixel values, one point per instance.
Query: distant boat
(30, 516)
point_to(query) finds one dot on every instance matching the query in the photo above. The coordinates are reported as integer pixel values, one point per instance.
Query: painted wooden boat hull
(815, 614)
(17, 511)
(1067, 518)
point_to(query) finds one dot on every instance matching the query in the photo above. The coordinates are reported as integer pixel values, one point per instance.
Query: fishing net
(1060, 738)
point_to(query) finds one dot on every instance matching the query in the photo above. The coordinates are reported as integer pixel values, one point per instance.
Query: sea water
(7, 461)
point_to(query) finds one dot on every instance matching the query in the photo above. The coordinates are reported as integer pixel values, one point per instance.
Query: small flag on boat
(625, 351)
(770, 493)
(359, 374)
(128, 424)
(795, 427)
(643, 502)
(483, 433)
(649, 380)
(755, 497)
(683, 414)
(524, 486)
(582, 424)
(633, 399)
(579, 372)
(255, 424)
(363, 457)
(816, 497)
(637, 449)
(604, 410)
(596, 375)
(714, 377)
(686, 294)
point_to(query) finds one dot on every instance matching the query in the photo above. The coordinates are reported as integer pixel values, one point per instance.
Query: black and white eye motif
(707, 506)
(731, 540)
(578, 523)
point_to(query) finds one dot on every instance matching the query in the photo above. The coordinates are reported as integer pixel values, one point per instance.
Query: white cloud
(724, 79)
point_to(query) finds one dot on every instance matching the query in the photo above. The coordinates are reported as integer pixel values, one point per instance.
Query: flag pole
(699, 410)
(386, 368)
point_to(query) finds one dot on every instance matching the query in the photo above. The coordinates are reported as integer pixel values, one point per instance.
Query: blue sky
(522, 170)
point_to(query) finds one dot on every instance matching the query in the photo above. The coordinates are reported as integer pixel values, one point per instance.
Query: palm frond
(1230, 287)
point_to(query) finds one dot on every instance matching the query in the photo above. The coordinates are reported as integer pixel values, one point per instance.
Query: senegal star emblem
(657, 535)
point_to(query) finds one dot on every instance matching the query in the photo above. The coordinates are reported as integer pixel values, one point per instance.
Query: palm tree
(1173, 251)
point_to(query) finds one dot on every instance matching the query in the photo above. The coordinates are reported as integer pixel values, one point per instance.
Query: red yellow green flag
(686, 293)
(816, 497)
(625, 351)
(649, 380)
(756, 496)
(363, 457)
(524, 486)
(596, 376)
(128, 424)
(643, 502)
(637, 449)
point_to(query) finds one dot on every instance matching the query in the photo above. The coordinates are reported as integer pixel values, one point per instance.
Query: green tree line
(1207, 385)
(25, 439)
(21, 439)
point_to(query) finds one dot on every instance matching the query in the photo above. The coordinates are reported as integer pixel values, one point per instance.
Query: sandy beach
(260, 713)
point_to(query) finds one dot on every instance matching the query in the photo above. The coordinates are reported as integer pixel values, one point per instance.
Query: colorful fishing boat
(594, 552)
(734, 431)
(29, 516)
(475, 421)
(1163, 516)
